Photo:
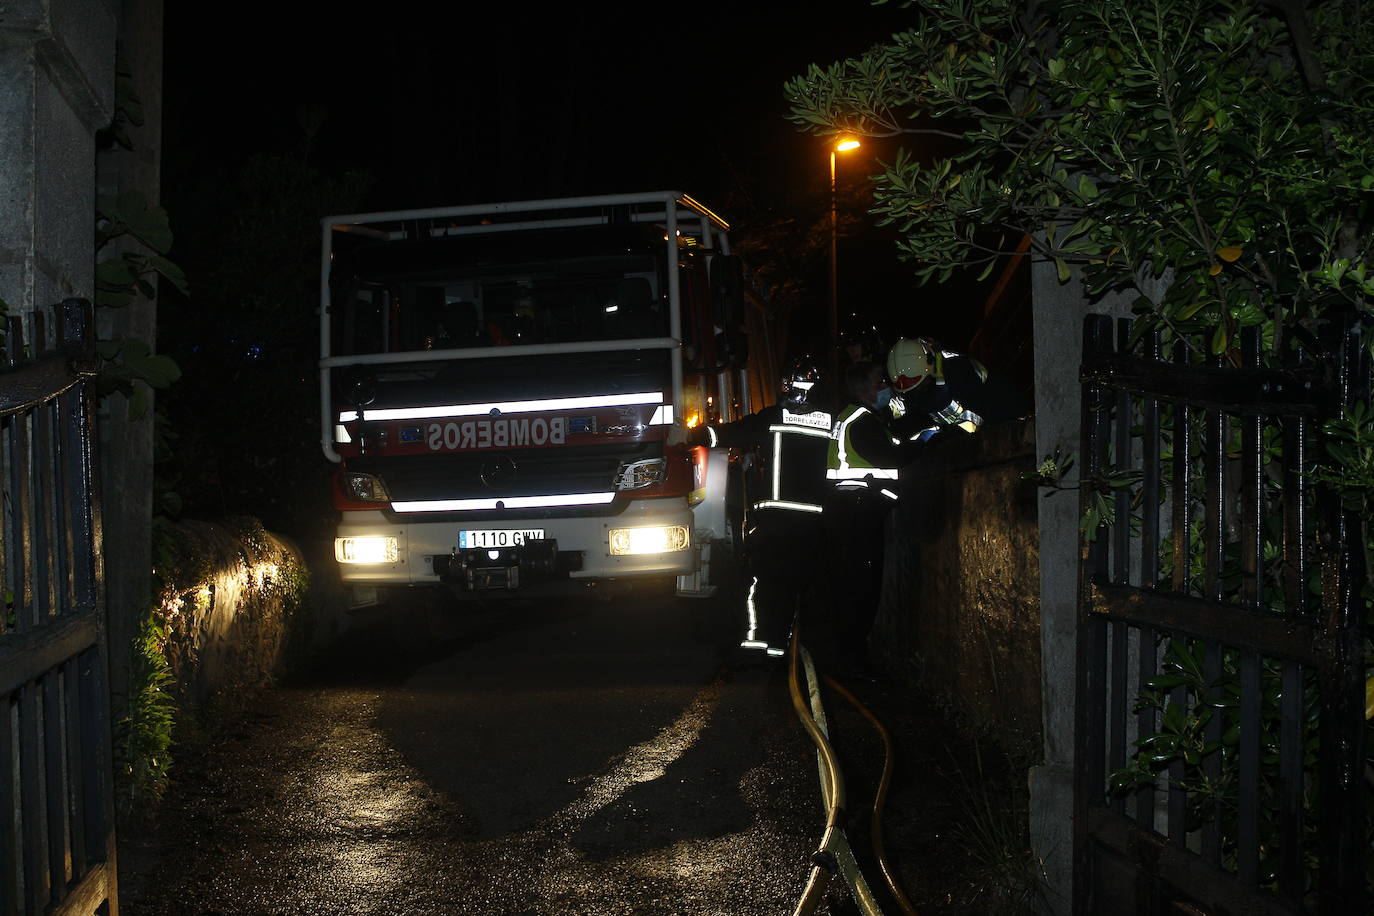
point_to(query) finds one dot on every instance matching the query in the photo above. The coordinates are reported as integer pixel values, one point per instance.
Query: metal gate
(1220, 704)
(57, 851)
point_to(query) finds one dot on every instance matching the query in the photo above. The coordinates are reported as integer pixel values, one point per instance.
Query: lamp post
(842, 144)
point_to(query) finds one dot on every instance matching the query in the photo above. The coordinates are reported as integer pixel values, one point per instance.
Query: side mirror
(727, 301)
(727, 291)
(362, 391)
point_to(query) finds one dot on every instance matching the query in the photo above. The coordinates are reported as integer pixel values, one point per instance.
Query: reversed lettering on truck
(461, 435)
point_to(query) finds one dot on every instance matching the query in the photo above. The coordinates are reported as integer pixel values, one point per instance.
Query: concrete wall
(56, 91)
(960, 614)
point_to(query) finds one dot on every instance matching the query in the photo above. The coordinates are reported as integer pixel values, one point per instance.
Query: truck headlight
(365, 487)
(367, 550)
(653, 539)
(640, 474)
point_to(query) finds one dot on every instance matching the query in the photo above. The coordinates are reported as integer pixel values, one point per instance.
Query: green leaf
(138, 402)
(132, 214)
(115, 273)
(1191, 309)
(114, 299)
(1220, 338)
(169, 271)
(1061, 269)
(158, 370)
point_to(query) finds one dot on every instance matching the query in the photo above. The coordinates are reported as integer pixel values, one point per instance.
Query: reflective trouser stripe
(752, 634)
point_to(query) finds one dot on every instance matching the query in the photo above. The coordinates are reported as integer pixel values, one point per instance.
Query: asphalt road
(548, 758)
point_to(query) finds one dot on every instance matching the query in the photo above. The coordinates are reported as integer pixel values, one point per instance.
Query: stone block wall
(235, 602)
(960, 612)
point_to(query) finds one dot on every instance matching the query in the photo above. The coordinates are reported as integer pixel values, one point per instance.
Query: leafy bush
(143, 737)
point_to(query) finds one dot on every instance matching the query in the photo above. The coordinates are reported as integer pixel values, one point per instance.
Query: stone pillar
(1059, 310)
(56, 91)
(126, 443)
(57, 82)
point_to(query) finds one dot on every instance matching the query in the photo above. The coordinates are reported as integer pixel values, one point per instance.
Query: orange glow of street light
(844, 144)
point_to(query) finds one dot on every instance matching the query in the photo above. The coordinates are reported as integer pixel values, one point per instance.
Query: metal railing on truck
(679, 213)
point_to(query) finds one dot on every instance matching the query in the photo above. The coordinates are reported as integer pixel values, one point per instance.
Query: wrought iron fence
(56, 812)
(1220, 705)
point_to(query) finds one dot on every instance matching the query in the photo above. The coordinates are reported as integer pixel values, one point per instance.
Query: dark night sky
(456, 106)
(450, 108)
(527, 101)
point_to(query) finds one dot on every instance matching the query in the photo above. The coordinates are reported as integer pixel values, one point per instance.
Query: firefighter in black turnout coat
(938, 392)
(783, 525)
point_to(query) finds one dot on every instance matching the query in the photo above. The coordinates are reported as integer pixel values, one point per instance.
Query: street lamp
(841, 145)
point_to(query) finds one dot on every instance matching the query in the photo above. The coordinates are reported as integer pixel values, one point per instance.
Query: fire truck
(506, 389)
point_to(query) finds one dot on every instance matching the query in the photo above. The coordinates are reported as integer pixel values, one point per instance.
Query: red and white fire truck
(506, 388)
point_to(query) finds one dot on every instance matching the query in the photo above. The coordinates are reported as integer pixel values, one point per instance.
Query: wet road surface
(551, 758)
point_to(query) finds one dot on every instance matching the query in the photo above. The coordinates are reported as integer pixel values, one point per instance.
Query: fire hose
(834, 853)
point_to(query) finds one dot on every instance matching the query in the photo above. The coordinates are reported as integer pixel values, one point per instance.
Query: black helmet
(800, 376)
(860, 340)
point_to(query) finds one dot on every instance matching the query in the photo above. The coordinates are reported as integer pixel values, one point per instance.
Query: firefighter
(862, 467)
(938, 391)
(783, 523)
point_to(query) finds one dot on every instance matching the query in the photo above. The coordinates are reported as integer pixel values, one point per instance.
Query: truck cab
(506, 389)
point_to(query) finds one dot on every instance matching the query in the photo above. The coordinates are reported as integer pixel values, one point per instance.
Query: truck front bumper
(427, 552)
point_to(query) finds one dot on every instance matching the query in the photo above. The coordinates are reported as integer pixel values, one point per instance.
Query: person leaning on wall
(862, 468)
(927, 395)
(937, 392)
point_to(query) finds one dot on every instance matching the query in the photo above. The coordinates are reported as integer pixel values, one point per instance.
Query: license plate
(498, 537)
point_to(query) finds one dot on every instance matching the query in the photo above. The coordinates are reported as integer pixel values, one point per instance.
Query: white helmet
(910, 362)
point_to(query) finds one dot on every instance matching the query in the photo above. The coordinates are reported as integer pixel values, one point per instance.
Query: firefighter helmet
(860, 340)
(910, 362)
(800, 376)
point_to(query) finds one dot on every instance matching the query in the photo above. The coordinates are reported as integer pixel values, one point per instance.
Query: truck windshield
(489, 304)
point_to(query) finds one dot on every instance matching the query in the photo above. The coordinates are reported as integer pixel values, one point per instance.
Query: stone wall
(960, 613)
(235, 599)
